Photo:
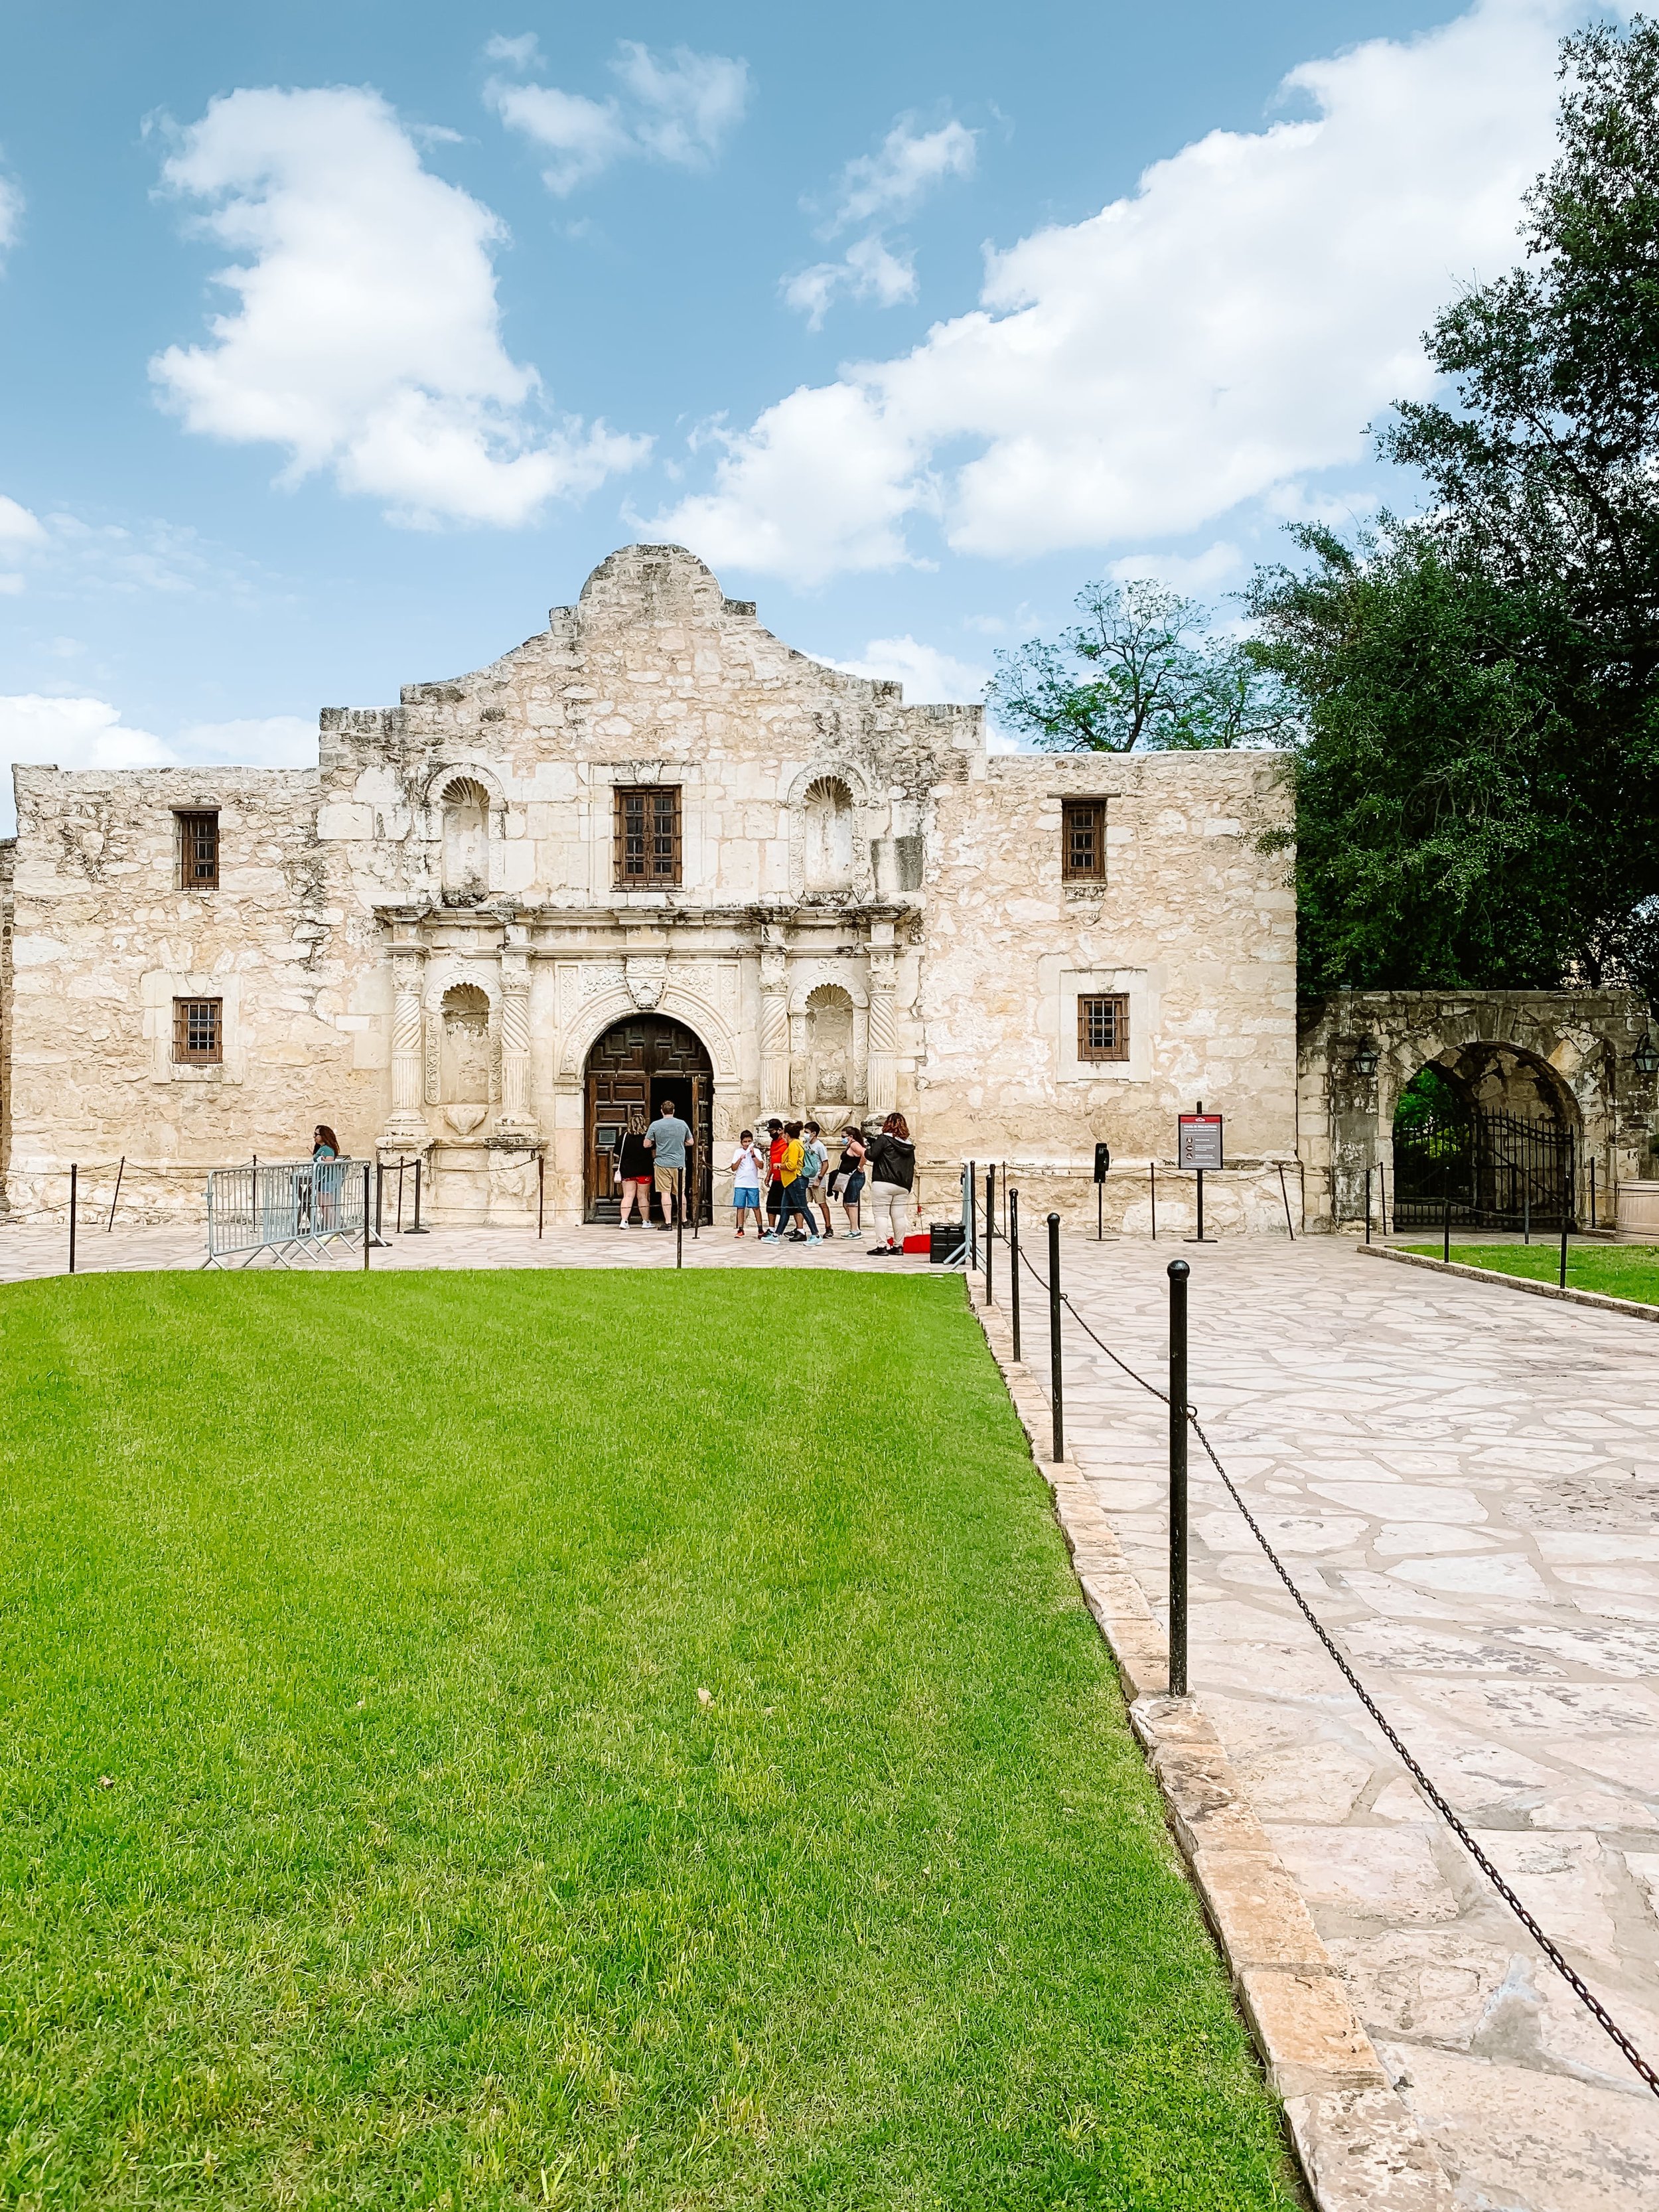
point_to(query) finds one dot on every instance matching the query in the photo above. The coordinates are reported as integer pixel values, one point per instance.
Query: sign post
(1102, 1169)
(1198, 1146)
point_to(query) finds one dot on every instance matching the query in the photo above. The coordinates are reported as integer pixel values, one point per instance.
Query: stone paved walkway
(1465, 1481)
(27, 1252)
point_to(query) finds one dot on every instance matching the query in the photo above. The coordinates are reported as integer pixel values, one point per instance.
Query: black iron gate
(1494, 1171)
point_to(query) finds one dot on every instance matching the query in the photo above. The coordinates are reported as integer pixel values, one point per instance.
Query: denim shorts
(746, 1199)
(851, 1188)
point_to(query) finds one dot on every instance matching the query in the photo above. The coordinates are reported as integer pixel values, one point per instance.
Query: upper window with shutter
(647, 837)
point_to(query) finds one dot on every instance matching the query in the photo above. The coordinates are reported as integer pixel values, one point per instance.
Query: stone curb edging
(1634, 1306)
(1358, 2145)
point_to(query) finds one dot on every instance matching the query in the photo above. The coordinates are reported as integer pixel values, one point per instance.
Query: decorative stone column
(883, 1078)
(515, 1118)
(774, 1030)
(407, 1128)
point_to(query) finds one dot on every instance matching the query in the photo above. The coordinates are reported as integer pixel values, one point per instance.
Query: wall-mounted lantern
(1366, 1055)
(1645, 1058)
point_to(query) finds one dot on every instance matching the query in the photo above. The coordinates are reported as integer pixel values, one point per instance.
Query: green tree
(1136, 673)
(1480, 763)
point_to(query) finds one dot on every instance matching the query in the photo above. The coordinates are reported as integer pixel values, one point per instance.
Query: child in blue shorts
(746, 1165)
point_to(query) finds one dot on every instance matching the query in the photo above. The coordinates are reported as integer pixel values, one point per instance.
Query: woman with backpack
(892, 1178)
(849, 1176)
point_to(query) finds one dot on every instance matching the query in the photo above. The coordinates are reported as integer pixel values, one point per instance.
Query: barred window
(647, 835)
(1083, 841)
(1102, 1028)
(199, 851)
(198, 1031)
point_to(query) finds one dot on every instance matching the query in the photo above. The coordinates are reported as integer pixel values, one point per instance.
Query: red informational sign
(1198, 1142)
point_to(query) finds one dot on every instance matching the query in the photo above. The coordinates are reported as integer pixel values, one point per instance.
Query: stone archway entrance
(1484, 1138)
(634, 1065)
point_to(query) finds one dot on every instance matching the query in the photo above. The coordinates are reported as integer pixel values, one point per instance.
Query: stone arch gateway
(633, 1067)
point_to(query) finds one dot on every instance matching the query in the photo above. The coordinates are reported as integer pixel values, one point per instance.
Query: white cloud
(929, 677)
(869, 270)
(522, 53)
(11, 213)
(1192, 575)
(1228, 330)
(367, 335)
(679, 108)
(891, 182)
(17, 525)
(38, 731)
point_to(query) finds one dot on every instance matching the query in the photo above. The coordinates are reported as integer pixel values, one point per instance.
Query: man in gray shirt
(668, 1137)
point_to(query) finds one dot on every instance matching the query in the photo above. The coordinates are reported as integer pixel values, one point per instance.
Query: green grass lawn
(368, 1841)
(1618, 1271)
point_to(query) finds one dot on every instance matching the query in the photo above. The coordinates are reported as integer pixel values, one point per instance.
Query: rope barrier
(1551, 1950)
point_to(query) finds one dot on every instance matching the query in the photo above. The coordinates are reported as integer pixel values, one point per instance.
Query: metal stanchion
(369, 1233)
(973, 1213)
(1013, 1266)
(1566, 1207)
(75, 1178)
(116, 1200)
(1056, 1391)
(1526, 1214)
(379, 1196)
(1445, 1235)
(401, 1164)
(1151, 1169)
(1178, 1274)
(1368, 1205)
(541, 1180)
(1592, 1194)
(1285, 1195)
(417, 1231)
(990, 1226)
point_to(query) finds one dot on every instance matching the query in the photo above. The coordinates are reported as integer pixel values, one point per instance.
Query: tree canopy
(1137, 671)
(1478, 772)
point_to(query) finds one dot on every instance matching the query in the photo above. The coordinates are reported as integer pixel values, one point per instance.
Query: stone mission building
(651, 851)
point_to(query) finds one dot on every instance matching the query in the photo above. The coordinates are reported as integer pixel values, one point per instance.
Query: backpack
(812, 1158)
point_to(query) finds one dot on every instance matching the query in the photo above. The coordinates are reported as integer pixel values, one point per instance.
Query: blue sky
(908, 320)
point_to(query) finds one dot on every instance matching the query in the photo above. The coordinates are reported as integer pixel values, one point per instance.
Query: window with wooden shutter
(1103, 1027)
(1083, 841)
(647, 835)
(198, 850)
(198, 1031)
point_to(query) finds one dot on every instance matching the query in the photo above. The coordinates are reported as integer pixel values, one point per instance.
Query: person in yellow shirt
(793, 1183)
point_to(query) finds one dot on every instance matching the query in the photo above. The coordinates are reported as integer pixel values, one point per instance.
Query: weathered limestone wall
(103, 942)
(1194, 924)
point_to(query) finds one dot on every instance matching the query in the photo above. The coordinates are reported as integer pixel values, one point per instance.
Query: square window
(199, 851)
(1083, 841)
(198, 1031)
(1103, 1027)
(647, 835)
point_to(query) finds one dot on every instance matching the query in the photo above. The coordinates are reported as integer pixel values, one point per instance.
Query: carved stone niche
(465, 1057)
(827, 1041)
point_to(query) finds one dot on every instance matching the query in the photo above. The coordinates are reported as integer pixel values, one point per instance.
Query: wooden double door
(636, 1066)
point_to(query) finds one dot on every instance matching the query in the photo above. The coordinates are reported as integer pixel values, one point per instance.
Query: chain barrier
(1551, 1950)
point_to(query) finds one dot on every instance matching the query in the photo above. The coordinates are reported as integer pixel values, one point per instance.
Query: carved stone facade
(421, 941)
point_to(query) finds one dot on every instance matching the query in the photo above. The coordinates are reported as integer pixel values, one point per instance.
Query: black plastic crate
(946, 1240)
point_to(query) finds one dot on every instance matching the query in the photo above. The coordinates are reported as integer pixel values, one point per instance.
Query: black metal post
(401, 1164)
(1526, 1211)
(417, 1231)
(1445, 1235)
(1151, 1169)
(1592, 1209)
(990, 1227)
(368, 1232)
(1199, 1239)
(74, 1177)
(1056, 1385)
(1013, 1266)
(380, 1195)
(1178, 1274)
(1368, 1205)
(1100, 1211)
(116, 1200)
(1566, 1216)
(1382, 1196)
(1289, 1229)
(973, 1213)
(541, 1180)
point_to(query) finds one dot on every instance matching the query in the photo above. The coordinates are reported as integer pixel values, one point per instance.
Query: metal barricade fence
(296, 1213)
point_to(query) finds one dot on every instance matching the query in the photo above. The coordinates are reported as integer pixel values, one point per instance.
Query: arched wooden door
(637, 1064)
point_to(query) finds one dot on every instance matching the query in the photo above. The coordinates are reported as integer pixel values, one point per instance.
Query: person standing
(814, 1167)
(776, 1141)
(892, 1177)
(746, 1181)
(848, 1180)
(793, 1184)
(324, 1145)
(668, 1139)
(634, 1168)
